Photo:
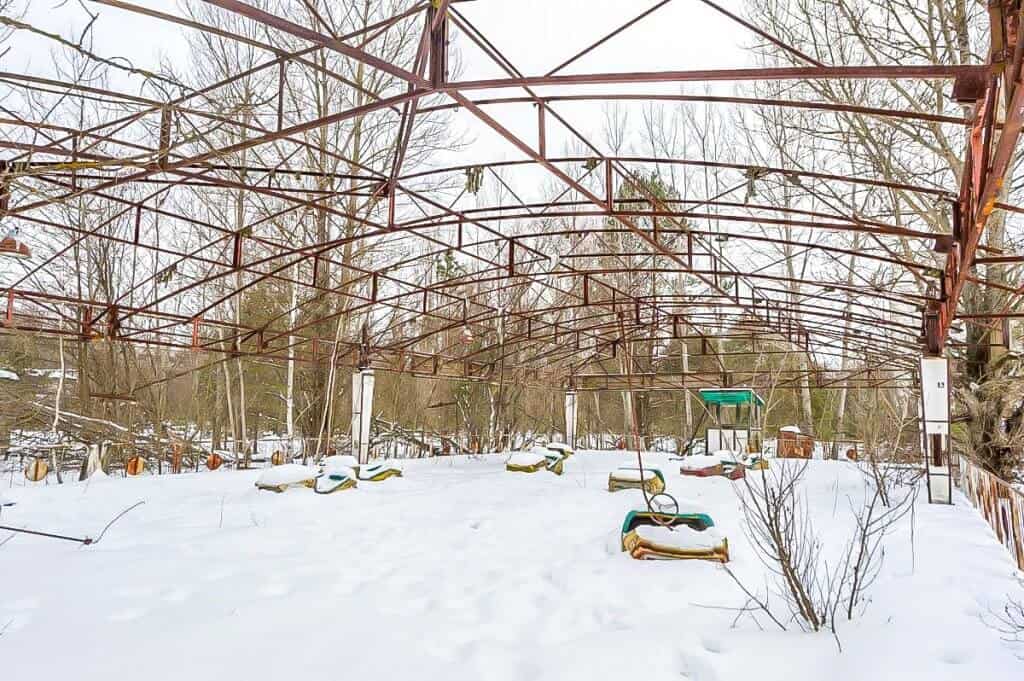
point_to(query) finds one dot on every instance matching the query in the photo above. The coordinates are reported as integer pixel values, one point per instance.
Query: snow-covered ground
(460, 570)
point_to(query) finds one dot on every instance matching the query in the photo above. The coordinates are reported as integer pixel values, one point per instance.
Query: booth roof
(730, 396)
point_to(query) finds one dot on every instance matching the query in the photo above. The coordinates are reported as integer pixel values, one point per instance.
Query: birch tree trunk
(232, 423)
(289, 399)
(239, 282)
(56, 410)
(687, 407)
(844, 360)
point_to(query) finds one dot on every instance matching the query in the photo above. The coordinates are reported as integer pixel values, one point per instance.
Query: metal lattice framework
(551, 282)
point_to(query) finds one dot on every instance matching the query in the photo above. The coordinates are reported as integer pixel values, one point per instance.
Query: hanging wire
(659, 515)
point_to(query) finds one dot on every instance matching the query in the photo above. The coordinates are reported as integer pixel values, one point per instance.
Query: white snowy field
(460, 570)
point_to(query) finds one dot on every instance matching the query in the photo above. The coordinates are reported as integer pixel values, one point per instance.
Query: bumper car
(555, 460)
(561, 448)
(701, 466)
(757, 463)
(734, 471)
(724, 464)
(630, 478)
(283, 477)
(375, 472)
(369, 472)
(673, 536)
(526, 462)
(337, 480)
(536, 460)
(337, 474)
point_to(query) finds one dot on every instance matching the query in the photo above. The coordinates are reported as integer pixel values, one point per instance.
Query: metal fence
(1000, 503)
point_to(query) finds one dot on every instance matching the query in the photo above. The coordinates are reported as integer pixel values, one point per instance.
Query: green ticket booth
(737, 415)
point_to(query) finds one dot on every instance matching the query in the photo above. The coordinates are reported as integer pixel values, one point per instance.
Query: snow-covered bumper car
(336, 475)
(535, 460)
(627, 477)
(367, 472)
(723, 464)
(286, 476)
(673, 536)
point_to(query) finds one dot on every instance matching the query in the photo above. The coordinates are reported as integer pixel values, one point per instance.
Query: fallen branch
(387, 428)
(84, 541)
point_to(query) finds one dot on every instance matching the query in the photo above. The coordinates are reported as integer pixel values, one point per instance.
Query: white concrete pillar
(362, 413)
(935, 422)
(571, 408)
(93, 461)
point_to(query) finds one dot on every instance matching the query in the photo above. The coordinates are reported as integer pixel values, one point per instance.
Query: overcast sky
(536, 35)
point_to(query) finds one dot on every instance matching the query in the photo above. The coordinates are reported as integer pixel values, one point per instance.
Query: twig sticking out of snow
(84, 541)
(752, 598)
(116, 518)
(1010, 622)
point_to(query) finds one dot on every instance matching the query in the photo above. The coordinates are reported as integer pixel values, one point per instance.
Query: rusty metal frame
(579, 299)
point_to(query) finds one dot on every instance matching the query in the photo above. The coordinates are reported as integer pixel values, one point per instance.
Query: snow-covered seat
(682, 536)
(339, 460)
(701, 465)
(724, 463)
(371, 472)
(728, 457)
(526, 462)
(337, 480)
(565, 450)
(734, 465)
(555, 458)
(375, 472)
(757, 462)
(336, 475)
(280, 478)
(626, 477)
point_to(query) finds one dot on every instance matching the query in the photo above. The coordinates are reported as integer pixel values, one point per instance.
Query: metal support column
(362, 413)
(571, 407)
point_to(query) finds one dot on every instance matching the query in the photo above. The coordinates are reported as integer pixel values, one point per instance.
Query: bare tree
(901, 151)
(994, 430)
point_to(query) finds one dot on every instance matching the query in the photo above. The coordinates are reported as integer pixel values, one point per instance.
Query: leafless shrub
(815, 592)
(1010, 622)
(890, 494)
(779, 526)
(890, 471)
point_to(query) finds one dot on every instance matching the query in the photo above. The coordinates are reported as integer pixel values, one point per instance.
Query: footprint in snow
(176, 595)
(344, 588)
(126, 615)
(135, 591)
(22, 604)
(712, 645)
(955, 656)
(276, 589)
(694, 668)
(217, 575)
(10, 625)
